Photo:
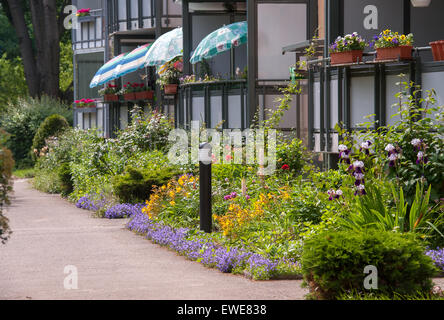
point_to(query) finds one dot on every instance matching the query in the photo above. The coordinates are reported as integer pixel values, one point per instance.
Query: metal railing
(211, 97)
(86, 23)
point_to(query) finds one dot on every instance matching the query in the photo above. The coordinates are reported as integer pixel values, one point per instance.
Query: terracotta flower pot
(170, 88)
(394, 53)
(129, 96)
(111, 97)
(438, 50)
(145, 95)
(346, 57)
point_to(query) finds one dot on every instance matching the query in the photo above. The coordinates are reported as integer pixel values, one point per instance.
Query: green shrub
(135, 186)
(291, 154)
(51, 127)
(22, 122)
(333, 263)
(47, 181)
(6, 165)
(65, 178)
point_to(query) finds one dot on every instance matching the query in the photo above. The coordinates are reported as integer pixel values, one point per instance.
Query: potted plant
(143, 92)
(83, 12)
(393, 46)
(348, 49)
(109, 93)
(128, 92)
(438, 50)
(170, 75)
(85, 103)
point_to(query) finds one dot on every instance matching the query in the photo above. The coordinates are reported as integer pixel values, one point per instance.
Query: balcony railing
(221, 104)
(125, 15)
(89, 32)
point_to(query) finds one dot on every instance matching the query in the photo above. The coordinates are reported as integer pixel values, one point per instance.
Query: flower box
(129, 96)
(438, 50)
(170, 88)
(145, 95)
(110, 97)
(346, 57)
(394, 53)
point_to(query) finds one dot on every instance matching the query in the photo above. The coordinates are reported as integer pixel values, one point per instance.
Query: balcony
(89, 32)
(211, 102)
(127, 15)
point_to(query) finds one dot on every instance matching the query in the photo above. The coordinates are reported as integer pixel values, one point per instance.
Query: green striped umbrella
(165, 48)
(221, 40)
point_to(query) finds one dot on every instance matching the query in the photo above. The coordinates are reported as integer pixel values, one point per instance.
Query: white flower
(416, 142)
(360, 187)
(393, 157)
(365, 145)
(420, 155)
(358, 164)
(339, 192)
(342, 147)
(389, 148)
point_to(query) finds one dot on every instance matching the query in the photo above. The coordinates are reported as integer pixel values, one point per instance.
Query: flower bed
(438, 258)
(200, 247)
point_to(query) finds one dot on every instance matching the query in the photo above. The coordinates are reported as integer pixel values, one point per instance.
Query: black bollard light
(205, 186)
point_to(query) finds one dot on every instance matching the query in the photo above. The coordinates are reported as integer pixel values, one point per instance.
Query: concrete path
(112, 263)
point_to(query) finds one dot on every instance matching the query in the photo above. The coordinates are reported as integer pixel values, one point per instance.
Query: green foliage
(8, 38)
(146, 132)
(374, 211)
(333, 263)
(23, 120)
(52, 126)
(136, 185)
(419, 118)
(6, 166)
(47, 181)
(293, 154)
(66, 65)
(65, 178)
(24, 173)
(12, 82)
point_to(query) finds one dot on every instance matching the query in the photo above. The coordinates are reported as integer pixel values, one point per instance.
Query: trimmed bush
(135, 186)
(51, 127)
(333, 263)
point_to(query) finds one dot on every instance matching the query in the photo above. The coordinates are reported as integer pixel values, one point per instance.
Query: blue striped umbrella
(133, 61)
(107, 71)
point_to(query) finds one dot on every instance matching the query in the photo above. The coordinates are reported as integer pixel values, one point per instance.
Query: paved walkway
(112, 263)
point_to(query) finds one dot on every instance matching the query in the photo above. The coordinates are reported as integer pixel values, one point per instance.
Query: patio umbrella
(133, 61)
(107, 71)
(221, 40)
(165, 48)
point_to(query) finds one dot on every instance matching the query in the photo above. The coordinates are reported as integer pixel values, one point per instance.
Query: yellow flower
(173, 203)
(178, 189)
(163, 187)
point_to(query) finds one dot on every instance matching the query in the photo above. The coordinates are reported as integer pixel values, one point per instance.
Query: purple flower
(365, 146)
(437, 257)
(344, 154)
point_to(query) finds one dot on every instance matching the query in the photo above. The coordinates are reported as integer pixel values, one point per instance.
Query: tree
(39, 47)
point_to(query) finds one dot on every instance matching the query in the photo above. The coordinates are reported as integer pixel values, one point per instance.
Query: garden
(382, 206)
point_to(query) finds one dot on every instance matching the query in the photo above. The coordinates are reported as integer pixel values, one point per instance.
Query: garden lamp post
(205, 186)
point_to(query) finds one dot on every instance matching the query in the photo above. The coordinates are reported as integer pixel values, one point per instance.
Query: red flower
(285, 167)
